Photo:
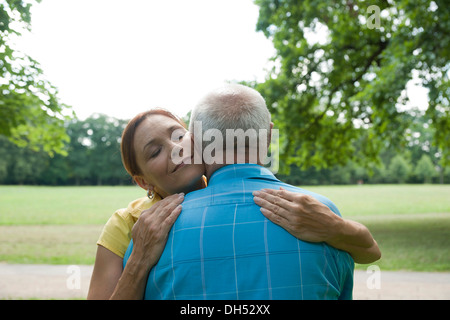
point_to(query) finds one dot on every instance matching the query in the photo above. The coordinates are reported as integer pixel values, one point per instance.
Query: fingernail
(256, 193)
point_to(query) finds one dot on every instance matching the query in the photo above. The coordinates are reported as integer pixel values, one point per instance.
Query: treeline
(396, 168)
(416, 160)
(93, 158)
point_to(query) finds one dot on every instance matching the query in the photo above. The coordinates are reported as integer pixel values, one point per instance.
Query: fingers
(282, 193)
(171, 202)
(273, 212)
(172, 217)
(164, 207)
(273, 199)
(275, 217)
(162, 215)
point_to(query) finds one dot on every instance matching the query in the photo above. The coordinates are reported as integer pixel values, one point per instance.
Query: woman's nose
(181, 148)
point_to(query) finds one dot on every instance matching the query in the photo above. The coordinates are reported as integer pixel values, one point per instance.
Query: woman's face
(157, 142)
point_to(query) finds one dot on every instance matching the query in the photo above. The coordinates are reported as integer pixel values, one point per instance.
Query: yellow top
(116, 234)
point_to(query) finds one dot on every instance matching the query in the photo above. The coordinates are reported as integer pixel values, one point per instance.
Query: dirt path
(72, 282)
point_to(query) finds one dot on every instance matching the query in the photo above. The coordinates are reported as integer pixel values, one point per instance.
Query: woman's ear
(143, 183)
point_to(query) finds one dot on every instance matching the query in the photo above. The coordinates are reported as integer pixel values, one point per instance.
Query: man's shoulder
(236, 190)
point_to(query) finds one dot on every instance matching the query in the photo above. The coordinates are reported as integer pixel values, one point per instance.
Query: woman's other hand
(301, 215)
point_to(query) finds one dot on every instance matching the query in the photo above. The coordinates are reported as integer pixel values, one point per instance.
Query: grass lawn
(31, 205)
(60, 225)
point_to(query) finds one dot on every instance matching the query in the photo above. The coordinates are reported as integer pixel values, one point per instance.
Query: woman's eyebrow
(169, 131)
(175, 127)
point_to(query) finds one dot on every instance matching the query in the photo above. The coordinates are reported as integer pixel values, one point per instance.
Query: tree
(399, 169)
(77, 158)
(104, 160)
(425, 169)
(30, 111)
(20, 165)
(56, 171)
(340, 75)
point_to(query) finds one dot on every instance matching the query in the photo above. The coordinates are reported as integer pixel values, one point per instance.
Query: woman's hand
(308, 219)
(151, 230)
(149, 234)
(301, 215)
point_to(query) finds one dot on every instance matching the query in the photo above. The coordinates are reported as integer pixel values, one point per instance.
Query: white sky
(122, 57)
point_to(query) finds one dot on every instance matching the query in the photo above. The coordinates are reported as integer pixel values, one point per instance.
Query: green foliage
(92, 157)
(425, 169)
(103, 144)
(30, 111)
(399, 169)
(338, 82)
(418, 147)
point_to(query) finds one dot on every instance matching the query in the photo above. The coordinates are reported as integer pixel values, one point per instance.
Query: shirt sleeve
(116, 234)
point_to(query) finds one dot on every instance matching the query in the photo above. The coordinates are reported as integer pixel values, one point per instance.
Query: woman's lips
(183, 163)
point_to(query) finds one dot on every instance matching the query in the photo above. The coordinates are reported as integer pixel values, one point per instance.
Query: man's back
(222, 247)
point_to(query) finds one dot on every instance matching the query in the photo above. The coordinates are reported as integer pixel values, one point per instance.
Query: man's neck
(211, 168)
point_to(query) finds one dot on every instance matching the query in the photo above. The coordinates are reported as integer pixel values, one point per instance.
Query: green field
(60, 225)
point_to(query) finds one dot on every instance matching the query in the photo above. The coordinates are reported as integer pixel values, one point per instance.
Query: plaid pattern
(222, 247)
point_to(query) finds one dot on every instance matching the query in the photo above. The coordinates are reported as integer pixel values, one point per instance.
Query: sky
(120, 57)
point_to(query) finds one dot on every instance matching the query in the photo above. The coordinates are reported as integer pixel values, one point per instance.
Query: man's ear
(143, 183)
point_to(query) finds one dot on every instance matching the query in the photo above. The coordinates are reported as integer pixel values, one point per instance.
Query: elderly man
(221, 246)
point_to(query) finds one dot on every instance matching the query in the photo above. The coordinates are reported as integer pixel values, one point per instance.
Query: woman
(147, 148)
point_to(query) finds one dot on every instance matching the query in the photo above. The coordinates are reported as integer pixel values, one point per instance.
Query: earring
(151, 194)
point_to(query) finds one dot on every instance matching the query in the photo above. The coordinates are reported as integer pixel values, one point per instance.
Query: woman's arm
(308, 219)
(149, 235)
(106, 274)
(109, 282)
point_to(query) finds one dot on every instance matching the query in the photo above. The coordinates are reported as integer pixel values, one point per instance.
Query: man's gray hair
(232, 107)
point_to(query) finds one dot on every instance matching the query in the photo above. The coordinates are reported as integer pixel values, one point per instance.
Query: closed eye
(155, 154)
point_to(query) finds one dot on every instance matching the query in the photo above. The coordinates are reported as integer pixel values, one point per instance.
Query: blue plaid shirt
(222, 247)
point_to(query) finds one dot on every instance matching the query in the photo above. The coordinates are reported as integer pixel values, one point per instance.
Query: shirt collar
(241, 171)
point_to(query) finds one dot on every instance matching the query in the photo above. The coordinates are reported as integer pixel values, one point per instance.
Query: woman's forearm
(356, 239)
(131, 285)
